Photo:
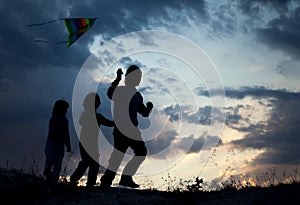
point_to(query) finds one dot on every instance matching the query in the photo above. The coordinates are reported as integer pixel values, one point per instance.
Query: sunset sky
(251, 49)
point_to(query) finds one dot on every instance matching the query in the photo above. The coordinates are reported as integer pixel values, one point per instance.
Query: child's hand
(119, 73)
(149, 106)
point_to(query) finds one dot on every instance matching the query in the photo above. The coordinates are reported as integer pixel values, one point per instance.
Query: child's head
(91, 101)
(60, 107)
(133, 76)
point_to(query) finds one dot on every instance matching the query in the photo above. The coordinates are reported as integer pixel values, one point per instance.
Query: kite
(75, 26)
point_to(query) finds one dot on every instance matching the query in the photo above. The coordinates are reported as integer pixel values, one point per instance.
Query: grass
(17, 187)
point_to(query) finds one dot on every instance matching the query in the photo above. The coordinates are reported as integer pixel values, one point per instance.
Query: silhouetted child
(90, 122)
(128, 103)
(58, 138)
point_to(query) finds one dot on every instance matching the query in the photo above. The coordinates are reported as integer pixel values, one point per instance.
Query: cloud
(194, 145)
(275, 138)
(275, 24)
(282, 30)
(234, 118)
(289, 69)
(173, 112)
(168, 143)
(279, 136)
(188, 114)
(254, 8)
(160, 147)
(283, 34)
(131, 15)
(255, 92)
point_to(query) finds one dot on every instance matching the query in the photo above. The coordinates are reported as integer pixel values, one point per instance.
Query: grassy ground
(19, 188)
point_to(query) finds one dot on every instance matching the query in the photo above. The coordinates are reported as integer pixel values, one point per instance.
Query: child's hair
(60, 107)
(131, 69)
(135, 75)
(91, 101)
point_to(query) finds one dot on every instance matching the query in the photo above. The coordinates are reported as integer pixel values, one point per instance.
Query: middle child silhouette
(90, 122)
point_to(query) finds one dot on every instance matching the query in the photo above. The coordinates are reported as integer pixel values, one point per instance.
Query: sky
(248, 50)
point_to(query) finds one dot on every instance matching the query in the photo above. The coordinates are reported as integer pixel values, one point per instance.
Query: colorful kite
(75, 26)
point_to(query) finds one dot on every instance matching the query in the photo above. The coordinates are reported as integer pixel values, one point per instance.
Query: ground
(19, 188)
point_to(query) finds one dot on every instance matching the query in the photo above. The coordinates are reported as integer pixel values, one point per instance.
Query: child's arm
(104, 121)
(114, 84)
(142, 109)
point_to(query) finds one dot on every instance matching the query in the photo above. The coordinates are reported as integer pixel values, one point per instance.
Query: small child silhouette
(90, 122)
(58, 138)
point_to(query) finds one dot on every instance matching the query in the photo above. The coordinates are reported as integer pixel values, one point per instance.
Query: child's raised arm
(114, 84)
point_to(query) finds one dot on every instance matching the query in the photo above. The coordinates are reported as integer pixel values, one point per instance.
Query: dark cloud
(118, 17)
(194, 145)
(283, 31)
(173, 112)
(255, 92)
(279, 136)
(233, 116)
(276, 24)
(166, 144)
(236, 121)
(176, 113)
(279, 140)
(289, 69)
(261, 92)
(283, 34)
(223, 20)
(253, 8)
(161, 146)
(226, 19)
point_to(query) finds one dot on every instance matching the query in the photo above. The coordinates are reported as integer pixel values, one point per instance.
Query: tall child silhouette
(90, 122)
(58, 138)
(128, 102)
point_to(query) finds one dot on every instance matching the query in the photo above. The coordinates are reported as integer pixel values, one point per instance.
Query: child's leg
(47, 169)
(49, 154)
(79, 172)
(120, 147)
(92, 174)
(140, 152)
(57, 167)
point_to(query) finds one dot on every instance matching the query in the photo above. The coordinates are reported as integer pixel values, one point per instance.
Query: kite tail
(47, 22)
(60, 42)
(41, 41)
(44, 41)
